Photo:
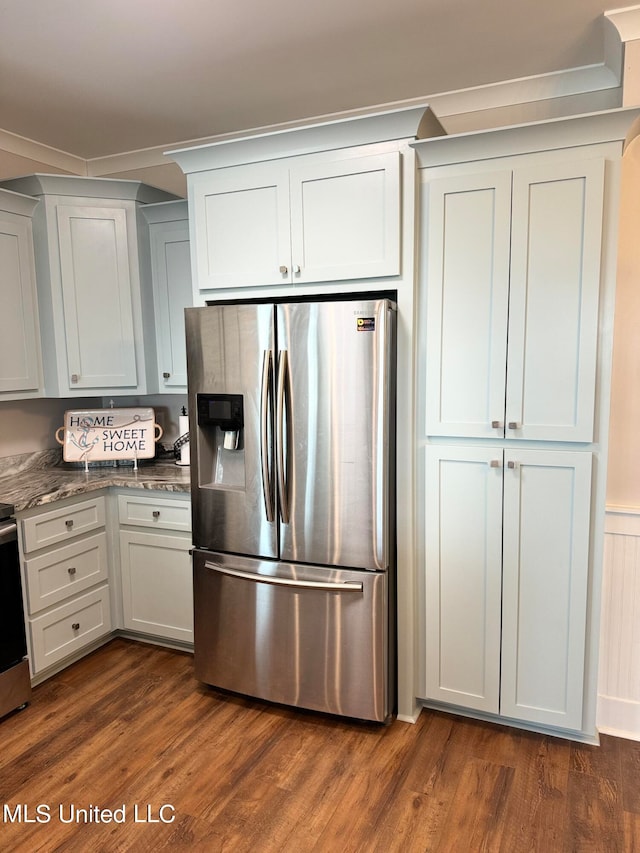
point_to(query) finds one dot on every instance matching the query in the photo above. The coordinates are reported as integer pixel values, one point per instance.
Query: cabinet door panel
(96, 291)
(241, 227)
(553, 312)
(467, 304)
(463, 512)
(157, 586)
(345, 218)
(546, 561)
(19, 344)
(172, 292)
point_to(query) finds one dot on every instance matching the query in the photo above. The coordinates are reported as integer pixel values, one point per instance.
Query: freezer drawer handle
(251, 576)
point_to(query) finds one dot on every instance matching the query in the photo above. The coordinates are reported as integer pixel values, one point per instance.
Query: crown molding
(526, 90)
(566, 132)
(345, 131)
(626, 22)
(525, 99)
(23, 147)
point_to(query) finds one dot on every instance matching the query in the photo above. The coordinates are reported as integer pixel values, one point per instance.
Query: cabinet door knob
(72, 570)
(166, 375)
(75, 377)
(495, 463)
(296, 269)
(156, 513)
(511, 464)
(69, 523)
(514, 425)
(496, 424)
(76, 626)
(284, 269)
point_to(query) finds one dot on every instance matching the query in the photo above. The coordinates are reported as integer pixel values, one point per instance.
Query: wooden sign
(94, 435)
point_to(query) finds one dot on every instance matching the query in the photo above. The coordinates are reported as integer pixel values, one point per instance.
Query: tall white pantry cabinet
(517, 279)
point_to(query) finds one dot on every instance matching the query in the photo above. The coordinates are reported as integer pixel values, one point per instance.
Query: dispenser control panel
(224, 411)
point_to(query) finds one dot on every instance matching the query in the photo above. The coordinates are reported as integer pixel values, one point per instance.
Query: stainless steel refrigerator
(292, 413)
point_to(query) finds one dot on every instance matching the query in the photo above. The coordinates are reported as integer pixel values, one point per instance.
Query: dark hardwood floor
(129, 730)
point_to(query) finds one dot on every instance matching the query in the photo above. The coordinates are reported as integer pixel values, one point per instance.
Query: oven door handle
(8, 532)
(339, 586)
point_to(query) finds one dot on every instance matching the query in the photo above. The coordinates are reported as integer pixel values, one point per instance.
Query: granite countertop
(36, 479)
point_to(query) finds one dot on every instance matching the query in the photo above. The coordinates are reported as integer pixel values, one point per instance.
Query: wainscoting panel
(618, 710)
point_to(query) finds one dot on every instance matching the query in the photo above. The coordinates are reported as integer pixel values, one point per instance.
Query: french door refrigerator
(292, 408)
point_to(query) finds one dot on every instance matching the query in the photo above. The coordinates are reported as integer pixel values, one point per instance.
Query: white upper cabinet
(295, 221)
(513, 282)
(97, 297)
(20, 359)
(94, 333)
(324, 202)
(169, 261)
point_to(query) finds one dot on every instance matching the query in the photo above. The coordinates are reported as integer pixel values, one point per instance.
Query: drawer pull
(72, 570)
(156, 513)
(69, 523)
(76, 626)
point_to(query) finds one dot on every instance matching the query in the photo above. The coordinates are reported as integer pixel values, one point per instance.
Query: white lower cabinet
(96, 564)
(155, 563)
(66, 580)
(506, 579)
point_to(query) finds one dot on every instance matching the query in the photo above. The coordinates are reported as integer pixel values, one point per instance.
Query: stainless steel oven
(15, 683)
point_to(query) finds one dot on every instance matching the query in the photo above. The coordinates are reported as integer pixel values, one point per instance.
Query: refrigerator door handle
(344, 586)
(283, 375)
(265, 450)
(381, 464)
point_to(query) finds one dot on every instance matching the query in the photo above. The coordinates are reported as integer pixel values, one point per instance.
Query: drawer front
(158, 513)
(66, 571)
(68, 629)
(62, 524)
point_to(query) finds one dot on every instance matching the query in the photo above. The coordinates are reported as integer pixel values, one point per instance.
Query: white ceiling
(100, 77)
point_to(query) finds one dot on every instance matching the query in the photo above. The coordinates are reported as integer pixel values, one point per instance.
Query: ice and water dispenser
(220, 440)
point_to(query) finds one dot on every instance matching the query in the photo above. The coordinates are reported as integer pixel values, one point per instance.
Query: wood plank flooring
(129, 728)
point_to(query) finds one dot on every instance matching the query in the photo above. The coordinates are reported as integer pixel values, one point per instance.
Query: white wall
(28, 426)
(619, 675)
(623, 487)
